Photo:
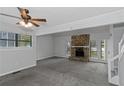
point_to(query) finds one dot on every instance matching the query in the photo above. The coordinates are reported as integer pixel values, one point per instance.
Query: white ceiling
(58, 15)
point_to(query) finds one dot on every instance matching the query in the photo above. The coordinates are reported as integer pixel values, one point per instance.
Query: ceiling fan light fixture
(22, 23)
(26, 25)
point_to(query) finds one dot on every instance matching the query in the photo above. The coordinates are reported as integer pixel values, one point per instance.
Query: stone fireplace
(80, 48)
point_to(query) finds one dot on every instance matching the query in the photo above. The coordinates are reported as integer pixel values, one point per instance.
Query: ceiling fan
(25, 19)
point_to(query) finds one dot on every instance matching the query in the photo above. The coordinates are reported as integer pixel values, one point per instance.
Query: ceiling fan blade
(36, 19)
(35, 24)
(24, 13)
(20, 9)
(10, 16)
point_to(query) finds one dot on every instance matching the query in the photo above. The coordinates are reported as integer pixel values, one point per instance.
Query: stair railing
(115, 62)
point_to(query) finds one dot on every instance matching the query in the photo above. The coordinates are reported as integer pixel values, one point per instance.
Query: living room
(65, 50)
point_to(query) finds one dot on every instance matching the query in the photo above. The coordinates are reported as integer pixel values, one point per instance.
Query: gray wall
(14, 59)
(117, 32)
(60, 46)
(61, 39)
(44, 47)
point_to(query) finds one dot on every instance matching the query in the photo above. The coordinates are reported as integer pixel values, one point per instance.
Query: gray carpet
(59, 72)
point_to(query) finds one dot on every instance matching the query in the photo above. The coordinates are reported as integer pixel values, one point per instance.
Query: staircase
(113, 69)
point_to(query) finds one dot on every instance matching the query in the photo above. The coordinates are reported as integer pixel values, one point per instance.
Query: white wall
(118, 32)
(56, 44)
(60, 46)
(61, 39)
(110, 53)
(15, 59)
(44, 47)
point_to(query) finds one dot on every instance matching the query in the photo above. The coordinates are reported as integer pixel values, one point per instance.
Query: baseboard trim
(10, 72)
(44, 58)
(50, 57)
(98, 62)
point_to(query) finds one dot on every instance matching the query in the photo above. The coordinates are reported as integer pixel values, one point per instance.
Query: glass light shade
(22, 23)
(26, 25)
(29, 24)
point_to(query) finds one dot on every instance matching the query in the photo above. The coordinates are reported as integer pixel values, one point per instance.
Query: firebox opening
(79, 52)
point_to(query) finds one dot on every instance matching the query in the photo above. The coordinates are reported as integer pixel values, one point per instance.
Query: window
(8, 39)
(93, 48)
(24, 40)
(3, 43)
(98, 50)
(103, 49)
(3, 39)
(11, 40)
